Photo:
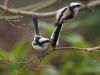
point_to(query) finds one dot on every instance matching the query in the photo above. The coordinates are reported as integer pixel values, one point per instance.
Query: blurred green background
(82, 31)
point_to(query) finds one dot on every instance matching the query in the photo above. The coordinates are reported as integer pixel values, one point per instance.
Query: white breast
(76, 11)
(41, 48)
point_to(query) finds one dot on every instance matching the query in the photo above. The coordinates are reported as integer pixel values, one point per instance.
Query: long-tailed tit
(39, 43)
(63, 15)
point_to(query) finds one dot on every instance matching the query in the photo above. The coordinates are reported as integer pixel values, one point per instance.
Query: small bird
(39, 43)
(63, 15)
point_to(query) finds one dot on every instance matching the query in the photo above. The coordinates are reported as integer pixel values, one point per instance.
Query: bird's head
(75, 5)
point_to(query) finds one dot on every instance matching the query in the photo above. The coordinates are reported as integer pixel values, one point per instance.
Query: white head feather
(74, 4)
(75, 9)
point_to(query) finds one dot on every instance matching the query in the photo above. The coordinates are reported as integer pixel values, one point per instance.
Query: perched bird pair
(64, 14)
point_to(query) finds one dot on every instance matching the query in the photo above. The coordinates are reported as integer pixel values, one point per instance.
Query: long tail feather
(55, 35)
(35, 22)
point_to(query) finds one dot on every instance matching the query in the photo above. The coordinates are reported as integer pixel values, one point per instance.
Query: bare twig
(6, 3)
(19, 27)
(94, 3)
(29, 13)
(14, 22)
(94, 49)
(11, 61)
(97, 60)
(35, 7)
(45, 14)
(11, 17)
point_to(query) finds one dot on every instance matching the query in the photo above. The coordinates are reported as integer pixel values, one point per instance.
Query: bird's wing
(61, 14)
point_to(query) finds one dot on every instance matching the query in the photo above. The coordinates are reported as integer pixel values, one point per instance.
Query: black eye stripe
(46, 41)
(75, 6)
(40, 43)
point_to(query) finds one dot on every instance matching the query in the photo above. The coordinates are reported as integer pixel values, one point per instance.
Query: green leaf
(76, 40)
(20, 50)
(50, 70)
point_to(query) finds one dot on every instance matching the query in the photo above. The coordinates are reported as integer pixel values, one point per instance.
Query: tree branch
(45, 14)
(28, 13)
(94, 49)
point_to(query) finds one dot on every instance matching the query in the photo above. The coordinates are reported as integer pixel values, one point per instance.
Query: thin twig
(95, 49)
(15, 62)
(12, 24)
(17, 25)
(34, 7)
(11, 17)
(6, 3)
